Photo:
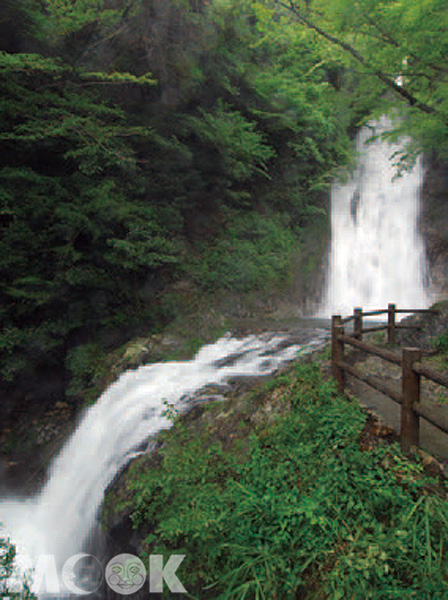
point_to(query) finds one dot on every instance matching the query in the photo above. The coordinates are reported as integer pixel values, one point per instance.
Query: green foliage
(30, 64)
(73, 246)
(85, 365)
(440, 343)
(256, 252)
(239, 146)
(292, 99)
(398, 47)
(101, 194)
(59, 18)
(7, 569)
(305, 511)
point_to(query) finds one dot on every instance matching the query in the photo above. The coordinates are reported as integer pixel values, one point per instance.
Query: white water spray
(377, 255)
(58, 521)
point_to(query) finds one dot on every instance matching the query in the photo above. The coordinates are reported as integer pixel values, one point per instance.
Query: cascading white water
(377, 255)
(58, 521)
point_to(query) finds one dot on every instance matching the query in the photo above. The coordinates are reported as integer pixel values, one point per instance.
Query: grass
(293, 505)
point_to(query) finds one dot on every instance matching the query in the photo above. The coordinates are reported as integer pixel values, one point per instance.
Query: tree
(401, 44)
(77, 232)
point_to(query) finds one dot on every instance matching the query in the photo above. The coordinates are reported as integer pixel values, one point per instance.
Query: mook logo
(83, 574)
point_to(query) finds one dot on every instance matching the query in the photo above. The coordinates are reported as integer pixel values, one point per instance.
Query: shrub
(256, 252)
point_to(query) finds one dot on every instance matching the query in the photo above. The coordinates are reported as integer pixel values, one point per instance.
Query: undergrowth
(305, 512)
(440, 344)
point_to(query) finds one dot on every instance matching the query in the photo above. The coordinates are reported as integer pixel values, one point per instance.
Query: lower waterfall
(59, 520)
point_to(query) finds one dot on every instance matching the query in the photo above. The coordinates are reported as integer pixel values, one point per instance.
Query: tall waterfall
(58, 521)
(377, 255)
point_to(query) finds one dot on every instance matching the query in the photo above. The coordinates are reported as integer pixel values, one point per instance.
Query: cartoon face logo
(125, 574)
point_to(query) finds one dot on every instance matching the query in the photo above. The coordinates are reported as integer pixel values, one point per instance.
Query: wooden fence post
(337, 351)
(410, 424)
(357, 324)
(391, 323)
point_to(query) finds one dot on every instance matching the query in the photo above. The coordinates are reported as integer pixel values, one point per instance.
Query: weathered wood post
(391, 323)
(337, 351)
(357, 323)
(410, 424)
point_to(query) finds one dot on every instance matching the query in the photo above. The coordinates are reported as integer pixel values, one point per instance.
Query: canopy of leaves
(394, 46)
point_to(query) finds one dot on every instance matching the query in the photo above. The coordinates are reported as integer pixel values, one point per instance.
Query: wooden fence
(412, 370)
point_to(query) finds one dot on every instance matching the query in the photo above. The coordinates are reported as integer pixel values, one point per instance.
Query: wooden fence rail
(411, 371)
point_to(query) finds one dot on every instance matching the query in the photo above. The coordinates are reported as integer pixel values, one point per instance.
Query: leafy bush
(440, 343)
(84, 364)
(256, 252)
(239, 146)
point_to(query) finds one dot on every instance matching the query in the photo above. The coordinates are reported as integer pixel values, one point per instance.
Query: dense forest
(150, 144)
(159, 156)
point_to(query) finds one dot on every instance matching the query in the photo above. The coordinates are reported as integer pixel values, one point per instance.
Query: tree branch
(401, 90)
(386, 36)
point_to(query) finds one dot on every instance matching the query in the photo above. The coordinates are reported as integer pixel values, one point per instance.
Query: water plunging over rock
(59, 520)
(377, 255)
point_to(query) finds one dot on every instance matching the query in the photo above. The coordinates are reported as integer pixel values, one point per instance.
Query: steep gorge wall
(434, 222)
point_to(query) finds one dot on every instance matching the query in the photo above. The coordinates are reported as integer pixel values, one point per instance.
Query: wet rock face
(28, 442)
(434, 222)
